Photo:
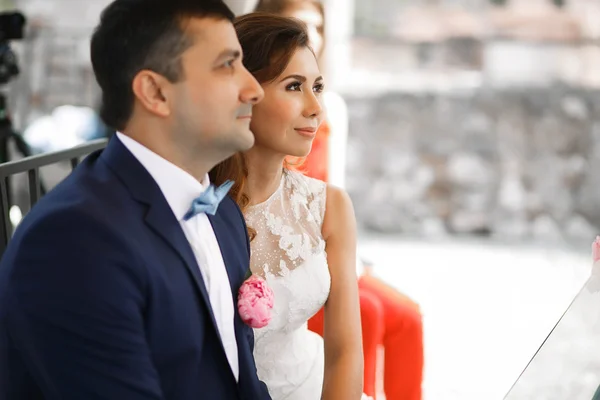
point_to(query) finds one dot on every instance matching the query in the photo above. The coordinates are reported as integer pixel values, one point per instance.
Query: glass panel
(567, 365)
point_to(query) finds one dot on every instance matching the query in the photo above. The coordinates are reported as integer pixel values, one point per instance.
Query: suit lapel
(236, 277)
(223, 236)
(168, 228)
(159, 218)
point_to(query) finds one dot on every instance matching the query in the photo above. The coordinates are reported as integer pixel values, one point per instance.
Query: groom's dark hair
(134, 35)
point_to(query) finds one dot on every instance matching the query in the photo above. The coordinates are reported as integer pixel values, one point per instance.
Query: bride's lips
(307, 131)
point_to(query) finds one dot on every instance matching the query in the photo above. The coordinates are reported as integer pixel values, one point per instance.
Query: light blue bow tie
(209, 200)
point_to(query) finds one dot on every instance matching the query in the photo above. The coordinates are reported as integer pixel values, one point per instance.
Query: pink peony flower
(255, 302)
(596, 249)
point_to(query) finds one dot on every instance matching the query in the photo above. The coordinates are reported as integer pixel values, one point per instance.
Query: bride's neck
(265, 170)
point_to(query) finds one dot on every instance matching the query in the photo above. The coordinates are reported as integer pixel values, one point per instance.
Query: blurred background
(473, 154)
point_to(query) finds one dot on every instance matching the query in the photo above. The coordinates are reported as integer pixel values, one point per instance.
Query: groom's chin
(239, 143)
(244, 139)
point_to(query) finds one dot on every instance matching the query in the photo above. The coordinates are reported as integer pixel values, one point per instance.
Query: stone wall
(519, 163)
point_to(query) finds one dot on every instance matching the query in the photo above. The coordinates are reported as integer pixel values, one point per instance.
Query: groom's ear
(150, 90)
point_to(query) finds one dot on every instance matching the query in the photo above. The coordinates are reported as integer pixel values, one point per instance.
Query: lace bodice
(288, 225)
(289, 252)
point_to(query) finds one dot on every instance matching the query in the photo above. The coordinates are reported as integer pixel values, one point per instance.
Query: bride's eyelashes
(294, 86)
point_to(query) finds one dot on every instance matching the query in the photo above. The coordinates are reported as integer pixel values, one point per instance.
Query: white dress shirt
(180, 189)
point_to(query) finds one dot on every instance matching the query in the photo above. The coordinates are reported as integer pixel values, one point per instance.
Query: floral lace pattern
(289, 252)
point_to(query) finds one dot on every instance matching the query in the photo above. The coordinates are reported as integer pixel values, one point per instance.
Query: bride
(302, 231)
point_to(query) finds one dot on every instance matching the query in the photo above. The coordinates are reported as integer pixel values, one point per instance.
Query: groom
(121, 284)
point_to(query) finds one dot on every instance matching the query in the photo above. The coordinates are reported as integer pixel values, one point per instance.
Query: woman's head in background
(311, 12)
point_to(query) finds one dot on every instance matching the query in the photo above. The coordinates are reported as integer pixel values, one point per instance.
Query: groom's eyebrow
(227, 54)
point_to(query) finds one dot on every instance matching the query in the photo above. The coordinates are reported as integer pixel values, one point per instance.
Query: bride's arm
(342, 332)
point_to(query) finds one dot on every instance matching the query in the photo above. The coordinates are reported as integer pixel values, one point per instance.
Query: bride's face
(287, 119)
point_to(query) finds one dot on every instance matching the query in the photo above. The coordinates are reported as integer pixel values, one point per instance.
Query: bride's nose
(312, 106)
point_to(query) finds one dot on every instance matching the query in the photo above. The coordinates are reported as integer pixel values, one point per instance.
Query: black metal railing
(32, 166)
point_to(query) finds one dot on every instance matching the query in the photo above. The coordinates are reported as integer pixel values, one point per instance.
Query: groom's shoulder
(85, 202)
(69, 212)
(91, 185)
(63, 230)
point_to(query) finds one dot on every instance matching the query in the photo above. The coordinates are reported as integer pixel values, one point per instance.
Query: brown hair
(268, 43)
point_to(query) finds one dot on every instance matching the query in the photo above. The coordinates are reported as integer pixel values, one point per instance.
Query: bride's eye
(295, 86)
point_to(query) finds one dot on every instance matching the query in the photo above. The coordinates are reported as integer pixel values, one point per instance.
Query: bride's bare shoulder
(339, 212)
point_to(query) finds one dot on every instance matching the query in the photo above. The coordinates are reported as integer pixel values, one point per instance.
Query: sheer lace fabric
(289, 252)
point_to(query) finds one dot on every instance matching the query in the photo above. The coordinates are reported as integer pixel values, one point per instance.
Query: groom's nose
(251, 92)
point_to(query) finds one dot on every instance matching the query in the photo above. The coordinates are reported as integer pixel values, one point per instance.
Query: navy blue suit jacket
(101, 296)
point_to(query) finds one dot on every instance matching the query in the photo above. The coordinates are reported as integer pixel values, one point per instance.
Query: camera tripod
(7, 133)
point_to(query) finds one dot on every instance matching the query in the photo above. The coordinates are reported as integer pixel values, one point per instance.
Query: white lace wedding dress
(289, 252)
